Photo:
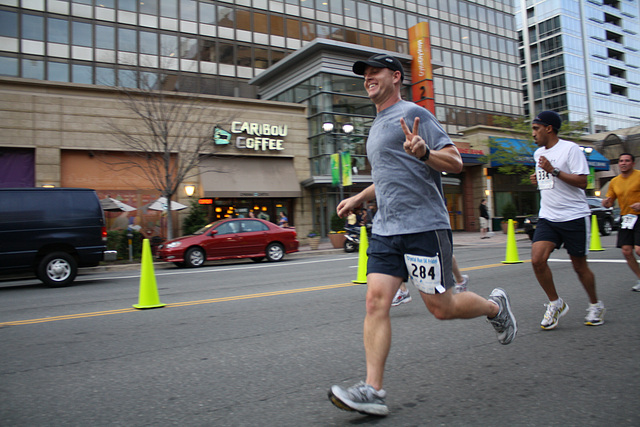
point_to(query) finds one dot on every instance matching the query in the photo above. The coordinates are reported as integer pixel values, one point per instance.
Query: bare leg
(586, 277)
(627, 251)
(456, 271)
(377, 325)
(465, 305)
(540, 252)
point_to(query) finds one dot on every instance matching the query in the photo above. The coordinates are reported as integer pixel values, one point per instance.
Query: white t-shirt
(559, 200)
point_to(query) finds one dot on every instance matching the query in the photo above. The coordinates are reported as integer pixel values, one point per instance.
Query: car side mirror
(213, 233)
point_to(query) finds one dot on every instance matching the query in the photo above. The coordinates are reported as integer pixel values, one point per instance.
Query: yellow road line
(208, 301)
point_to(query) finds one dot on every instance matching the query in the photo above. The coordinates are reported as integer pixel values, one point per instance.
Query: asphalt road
(244, 344)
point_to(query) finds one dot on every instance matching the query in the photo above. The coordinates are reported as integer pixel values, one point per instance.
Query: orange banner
(421, 70)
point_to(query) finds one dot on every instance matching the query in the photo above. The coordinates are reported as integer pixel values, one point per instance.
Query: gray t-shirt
(408, 192)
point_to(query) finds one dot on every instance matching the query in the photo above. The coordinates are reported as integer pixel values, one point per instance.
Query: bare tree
(166, 137)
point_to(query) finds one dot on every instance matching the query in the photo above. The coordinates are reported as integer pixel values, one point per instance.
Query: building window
(615, 54)
(549, 27)
(617, 72)
(614, 37)
(618, 90)
(550, 46)
(612, 19)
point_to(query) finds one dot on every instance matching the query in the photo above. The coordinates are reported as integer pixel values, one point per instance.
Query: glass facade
(581, 58)
(217, 46)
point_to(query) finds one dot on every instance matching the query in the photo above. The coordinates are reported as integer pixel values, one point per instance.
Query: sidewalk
(460, 238)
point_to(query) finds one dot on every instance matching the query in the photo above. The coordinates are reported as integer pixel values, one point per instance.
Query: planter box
(337, 239)
(314, 242)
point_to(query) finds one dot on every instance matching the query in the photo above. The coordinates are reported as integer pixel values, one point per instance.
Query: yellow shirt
(627, 191)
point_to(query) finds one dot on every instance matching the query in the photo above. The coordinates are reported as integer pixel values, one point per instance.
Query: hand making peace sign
(414, 144)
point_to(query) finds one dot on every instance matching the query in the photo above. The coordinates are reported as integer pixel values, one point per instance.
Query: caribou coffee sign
(252, 136)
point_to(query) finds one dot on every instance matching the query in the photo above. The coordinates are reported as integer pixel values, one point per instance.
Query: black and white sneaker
(505, 322)
(361, 397)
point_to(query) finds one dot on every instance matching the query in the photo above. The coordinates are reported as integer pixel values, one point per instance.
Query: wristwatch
(555, 172)
(426, 155)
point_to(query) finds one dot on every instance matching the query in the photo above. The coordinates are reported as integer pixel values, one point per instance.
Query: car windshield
(208, 227)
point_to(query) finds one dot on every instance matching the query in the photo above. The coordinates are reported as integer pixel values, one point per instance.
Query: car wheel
(257, 258)
(275, 252)
(607, 227)
(194, 258)
(349, 246)
(57, 269)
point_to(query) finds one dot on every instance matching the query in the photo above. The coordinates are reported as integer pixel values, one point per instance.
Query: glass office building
(582, 59)
(217, 46)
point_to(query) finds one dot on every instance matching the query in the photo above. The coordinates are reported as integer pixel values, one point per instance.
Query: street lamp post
(347, 128)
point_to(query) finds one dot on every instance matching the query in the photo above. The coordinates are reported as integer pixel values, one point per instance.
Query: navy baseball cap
(380, 60)
(549, 118)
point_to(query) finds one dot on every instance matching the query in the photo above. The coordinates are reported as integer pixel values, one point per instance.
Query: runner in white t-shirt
(564, 218)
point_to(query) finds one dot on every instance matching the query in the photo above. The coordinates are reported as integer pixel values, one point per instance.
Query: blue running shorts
(574, 234)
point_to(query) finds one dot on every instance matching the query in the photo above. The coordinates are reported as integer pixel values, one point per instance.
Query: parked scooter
(352, 238)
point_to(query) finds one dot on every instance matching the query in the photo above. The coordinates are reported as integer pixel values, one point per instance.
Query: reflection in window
(308, 31)
(57, 31)
(32, 69)
(188, 48)
(105, 76)
(261, 58)
(188, 10)
(32, 27)
(8, 66)
(150, 7)
(81, 34)
(244, 56)
(8, 24)
(207, 13)
(58, 71)
(148, 43)
(105, 37)
(81, 74)
(208, 50)
(226, 17)
(127, 78)
(129, 5)
(169, 8)
(226, 54)
(127, 40)
(168, 45)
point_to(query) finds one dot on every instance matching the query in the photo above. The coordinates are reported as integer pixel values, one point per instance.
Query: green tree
(195, 220)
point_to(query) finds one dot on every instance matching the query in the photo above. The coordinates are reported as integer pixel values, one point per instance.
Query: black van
(52, 232)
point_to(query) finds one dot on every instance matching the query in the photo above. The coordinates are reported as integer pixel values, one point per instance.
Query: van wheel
(194, 258)
(57, 269)
(275, 252)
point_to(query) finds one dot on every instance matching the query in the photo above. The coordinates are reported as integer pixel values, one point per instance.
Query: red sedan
(229, 239)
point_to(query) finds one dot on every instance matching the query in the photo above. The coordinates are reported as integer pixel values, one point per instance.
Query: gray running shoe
(595, 314)
(401, 298)
(636, 288)
(361, 397)
(505, 322)
(462, 287)
(553, 314)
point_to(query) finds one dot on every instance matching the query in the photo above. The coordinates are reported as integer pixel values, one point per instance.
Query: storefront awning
(598, 161)
(249, 177)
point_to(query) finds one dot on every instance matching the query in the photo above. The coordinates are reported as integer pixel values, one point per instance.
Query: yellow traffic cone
(148, 289)
(511, 256)
(362, 257)
(595, 235)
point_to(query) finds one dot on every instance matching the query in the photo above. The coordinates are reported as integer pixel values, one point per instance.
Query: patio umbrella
(160, 204)
(113, 205)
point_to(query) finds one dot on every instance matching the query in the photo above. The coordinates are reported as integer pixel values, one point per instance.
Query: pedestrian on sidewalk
(407, 149)
(484, 219)
(626, 188)
(564, 217)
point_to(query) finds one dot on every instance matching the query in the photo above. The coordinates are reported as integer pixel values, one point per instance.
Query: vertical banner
(591, 178)
(335, 169)
(346, 168)
(421, 70)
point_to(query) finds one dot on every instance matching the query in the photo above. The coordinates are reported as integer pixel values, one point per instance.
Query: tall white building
(581, 58)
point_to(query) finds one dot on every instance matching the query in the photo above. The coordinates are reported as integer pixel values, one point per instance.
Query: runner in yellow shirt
(626, 188)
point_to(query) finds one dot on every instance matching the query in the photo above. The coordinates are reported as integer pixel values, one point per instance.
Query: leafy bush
(509, 211)
(117, 240)
(337, 223)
